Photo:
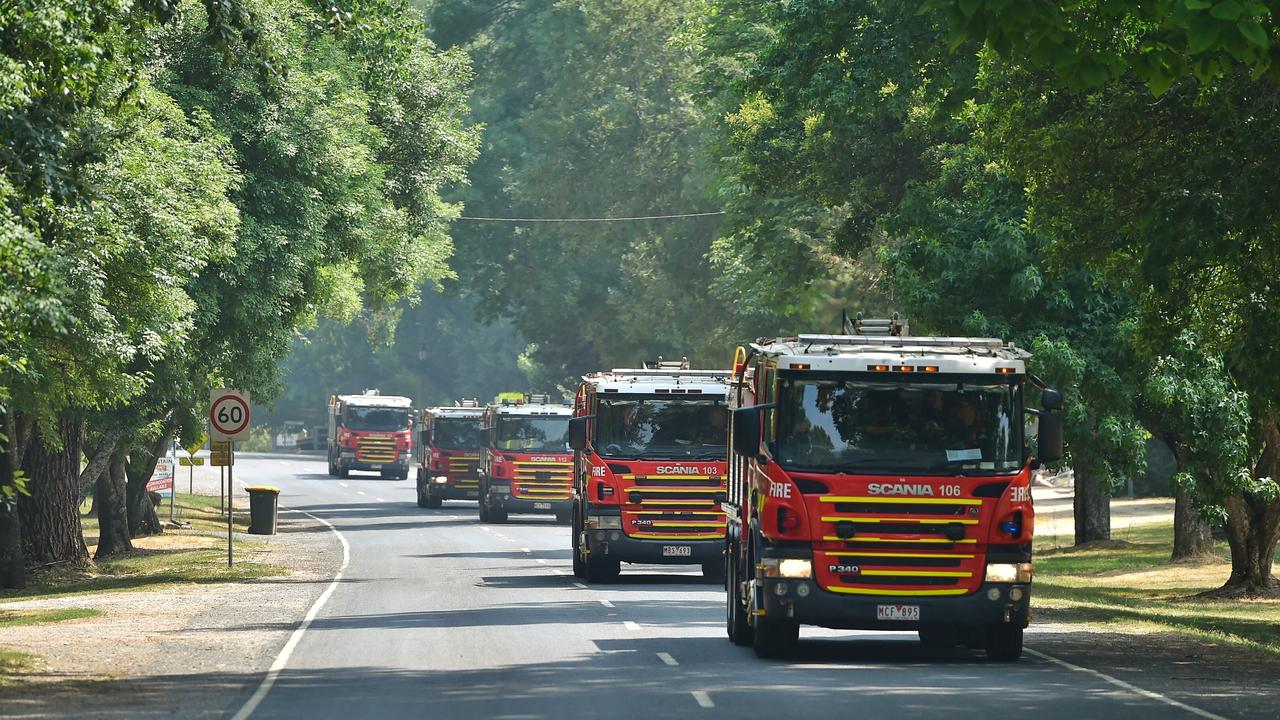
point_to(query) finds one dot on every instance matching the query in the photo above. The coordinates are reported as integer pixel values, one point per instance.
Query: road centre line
(630, 625)
(1149, 694)
(606, 603)
(580, 586)
(541, 561)
(360, 492)
(703, 698)
(342, 484)
(525, 550)
(379, 499)
(666, 658)
(282, 660)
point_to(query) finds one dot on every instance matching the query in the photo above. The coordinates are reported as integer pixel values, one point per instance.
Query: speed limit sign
(228, 414)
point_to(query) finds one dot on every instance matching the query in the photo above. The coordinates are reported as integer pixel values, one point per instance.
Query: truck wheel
(484, 510)
(403, 474)
(497, 516)
(774, 638)
(423, 500)
(735, 612)
(579, 567)
(601, 570)
(344, 473)
(435, 502)
(1004, 643)
(333, 470)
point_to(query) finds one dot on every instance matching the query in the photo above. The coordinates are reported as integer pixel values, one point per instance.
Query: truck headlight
(1009, 572)
(788, 567)
(441, 479)
(603, 522)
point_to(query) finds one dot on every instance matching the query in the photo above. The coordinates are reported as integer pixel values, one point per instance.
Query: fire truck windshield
(533, 434)
(646, 427)
(376, 419)
(971, 426)
(456, 434)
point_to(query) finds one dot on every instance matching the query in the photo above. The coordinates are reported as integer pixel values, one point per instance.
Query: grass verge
(1131, 586)
(196, 554)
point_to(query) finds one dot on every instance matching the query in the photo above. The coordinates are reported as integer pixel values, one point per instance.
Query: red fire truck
(449, 440)
(370, 431)
(526, 465)
(882, 482)
(649, 465)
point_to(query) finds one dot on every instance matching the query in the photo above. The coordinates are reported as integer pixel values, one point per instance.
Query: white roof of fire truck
(464, 410)
(372, 398)
(531, 405)
(661, 378)
(873, 346)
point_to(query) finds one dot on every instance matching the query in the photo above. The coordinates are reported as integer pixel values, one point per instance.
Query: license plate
(375, 467)
(909, 613)
(473, 493)
(542, 506)
(677, 550)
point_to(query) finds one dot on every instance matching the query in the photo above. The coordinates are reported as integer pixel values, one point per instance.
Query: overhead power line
(589, 219)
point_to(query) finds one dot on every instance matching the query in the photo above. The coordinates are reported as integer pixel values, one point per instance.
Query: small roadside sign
(162, 479)
(228, 414)
(191, 461)
(220, 453)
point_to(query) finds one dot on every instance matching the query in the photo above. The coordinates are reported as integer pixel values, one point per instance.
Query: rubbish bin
(263, 503)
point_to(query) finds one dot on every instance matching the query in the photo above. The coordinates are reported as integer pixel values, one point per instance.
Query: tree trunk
(1253, 527)
(50, 516)
(111, 497)
(1192, 537)
(142, 512)
(1092, 507)
(12, 565)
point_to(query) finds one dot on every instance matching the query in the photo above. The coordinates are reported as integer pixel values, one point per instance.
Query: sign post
(228, 420)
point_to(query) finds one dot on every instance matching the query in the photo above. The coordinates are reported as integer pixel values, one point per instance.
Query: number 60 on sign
(228, 414)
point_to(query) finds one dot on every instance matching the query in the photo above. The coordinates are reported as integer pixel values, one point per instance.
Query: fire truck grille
(376, 449)
(542, 480)
(679, 507)
(464, 471)
(899, 546)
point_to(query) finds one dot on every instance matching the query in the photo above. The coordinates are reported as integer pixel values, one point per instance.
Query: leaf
(1198, 5)
(1202, 35)
(969, 7)
(1253, 31)
(1227, 10)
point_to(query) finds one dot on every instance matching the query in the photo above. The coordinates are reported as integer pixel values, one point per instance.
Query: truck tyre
(1004, 643)
(579, 567)
(333, 470)
(344, 473)
(736, 624)
(435, 502)
(484, 510)
(403, 474)
(773, 639)
(423, 500)
(601, 570)
(497, 515)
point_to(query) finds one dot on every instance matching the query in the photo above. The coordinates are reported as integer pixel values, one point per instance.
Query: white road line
(452, 517)
(703, 699)
(630, 625)
(1127, 686)
(360, 492)
(525, 550)
(379, 499)
(557, 571)
(580, 586)
(541, 561)
(342, 484)
(666, 658)
(282, 660)
(482, 527)
(606, 603)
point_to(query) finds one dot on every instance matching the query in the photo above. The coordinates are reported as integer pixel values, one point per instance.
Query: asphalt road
(437, 615)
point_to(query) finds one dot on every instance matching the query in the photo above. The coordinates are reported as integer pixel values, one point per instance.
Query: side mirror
(1051, 399)
(1050, 442)
(746, 431)
(578, 432)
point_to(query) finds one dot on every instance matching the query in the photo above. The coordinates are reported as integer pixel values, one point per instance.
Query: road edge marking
(703, 698)
(1149, 694)
(282, 659)
(667, 659)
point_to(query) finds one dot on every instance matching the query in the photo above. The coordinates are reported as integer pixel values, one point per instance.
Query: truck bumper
(617, 545)
(804, 602)
(401, 465)
(525, 506)
(450, 492)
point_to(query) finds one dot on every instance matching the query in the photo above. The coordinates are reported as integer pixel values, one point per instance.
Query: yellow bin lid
(263, 488)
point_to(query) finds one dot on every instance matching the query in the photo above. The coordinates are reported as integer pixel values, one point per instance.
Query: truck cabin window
(644, 427)
(877, 426)
(533, 434)
(378, 419)
(456, 434)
